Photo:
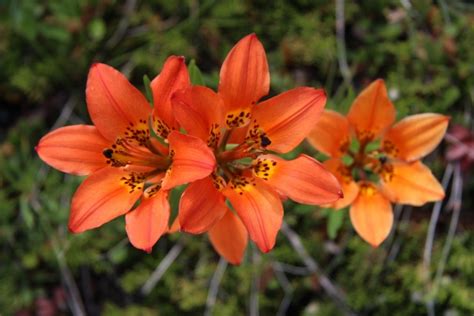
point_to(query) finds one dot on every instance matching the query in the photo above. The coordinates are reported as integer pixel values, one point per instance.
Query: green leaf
(335, 220)
(147, 84)
(195, 73)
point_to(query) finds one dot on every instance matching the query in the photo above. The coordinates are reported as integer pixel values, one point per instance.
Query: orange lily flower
(374, 177)
(123, 162)
(247, 174)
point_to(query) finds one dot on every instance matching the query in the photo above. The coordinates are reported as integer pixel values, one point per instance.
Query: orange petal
(146, 223)
(173, 77)
(415, 136)
(102, 197)
(350, 189)
(287, 118)
(244, 76)
(198, 109)
(259, 208)
(192, 160)
(411, 183)
(371, 214)
(75, 149)
(174, 228)
(229, 238)
(372, 112)
(113, 102)
(304, 179)
(331, 135)
(201, 206)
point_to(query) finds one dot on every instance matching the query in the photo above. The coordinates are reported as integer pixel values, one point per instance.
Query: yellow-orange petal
(350, 189)
(331, 134)
(146, 223)
(415, 136)
(174, 228)
(229, 238)
(75, 149)
(244, 76)
(173, 77)
(371, 214)
(259, 207)
(113, 102)
(192, 160)
(199, 110)
(304, 179)
(102, 196)
(411, 183)
(372, 112)
(201, 206)
(287, 118)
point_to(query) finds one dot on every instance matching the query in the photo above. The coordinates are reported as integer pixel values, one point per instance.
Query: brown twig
(214, 286)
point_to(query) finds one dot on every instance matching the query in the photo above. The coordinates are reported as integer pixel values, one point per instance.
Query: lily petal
(102, 196)
(287, 118)
(331, 134)
(199, 110)
(229, 238)
(146, 223)
(304, 179)
(173, 77)
(75, 149)
(371, 214)
(244, 76)
(192, 160)
(201, 206)
(114, 103)
(350, 189)
(415, 136)
(259, 207)
(411, 183)
(372, 112)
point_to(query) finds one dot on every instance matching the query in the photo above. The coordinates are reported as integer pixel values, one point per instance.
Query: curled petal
(201, 206)
(198, 110)
(303, 179)
(244, 76)
(372, 112)
(75, 149)
(331, 134)
(287, 118)
(259, 207)
(229, 238)
(146, 223)
(411, 183)
(192, 160)
(173, 77)
(350, 189)
(113, 102)
(103, 196)
(371, 214)
(415, 136)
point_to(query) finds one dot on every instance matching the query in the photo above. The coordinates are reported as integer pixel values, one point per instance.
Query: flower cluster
(377, 161)
(223, 144)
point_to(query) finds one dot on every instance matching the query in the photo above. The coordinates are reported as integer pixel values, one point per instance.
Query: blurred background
(422, 48)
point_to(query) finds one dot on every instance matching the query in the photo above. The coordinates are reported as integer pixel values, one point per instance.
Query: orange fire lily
(123, 162)
(244, 135)
(386, 166)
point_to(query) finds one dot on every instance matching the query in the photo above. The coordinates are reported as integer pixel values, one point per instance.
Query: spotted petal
(113, 103)
(415, 136)
(260, 209)
(75, 149)
(371, 215)
(303, 179)
(146, 223)
(102, 196)
(287, 118)
(372, 112)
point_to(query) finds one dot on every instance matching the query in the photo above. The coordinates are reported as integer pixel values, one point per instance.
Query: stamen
(257, 136)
